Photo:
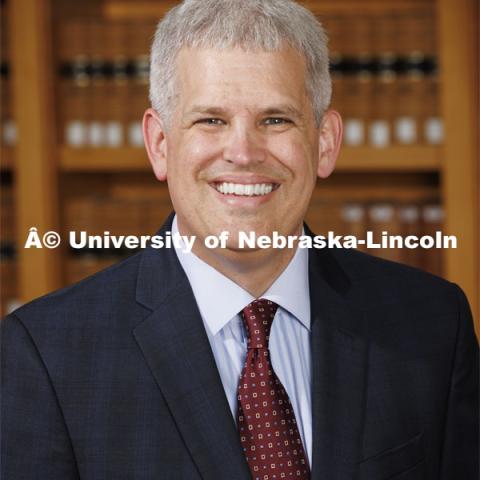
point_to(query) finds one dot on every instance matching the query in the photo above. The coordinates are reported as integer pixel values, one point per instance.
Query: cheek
(297, 155)
(200, 145)
(192, 155)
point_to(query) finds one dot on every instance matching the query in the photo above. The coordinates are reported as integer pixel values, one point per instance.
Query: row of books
(399, 65)
(83, 263)
(382, 34)
(389, 109)
(103, 115)
(119, 216)
(83, 70)
(93, 49)
(103, 82)
(96, 50)
(407, 35)
(384, 70)
(390, 216)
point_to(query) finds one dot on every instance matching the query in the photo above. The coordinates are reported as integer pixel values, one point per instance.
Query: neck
(254, 270)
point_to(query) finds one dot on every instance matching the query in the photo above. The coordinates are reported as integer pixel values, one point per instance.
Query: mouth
(245, 190)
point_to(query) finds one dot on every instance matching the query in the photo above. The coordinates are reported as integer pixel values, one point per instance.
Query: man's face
(241, 151)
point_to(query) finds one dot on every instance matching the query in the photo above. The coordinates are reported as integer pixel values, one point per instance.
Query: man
(233, 363)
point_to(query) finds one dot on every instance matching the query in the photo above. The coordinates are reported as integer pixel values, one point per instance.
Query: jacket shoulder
(96, 296)
(386, 282)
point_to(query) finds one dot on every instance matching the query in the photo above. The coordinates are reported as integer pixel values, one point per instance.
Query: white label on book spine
(409, 214)
(114, 134)
(76, 134)
(406, 130)
(96, 134)
(434, 130)
(381, 213)
(379, 133)
(9, 133)
(353, 213)
(135, 134)
(354, 132)
(433, 214)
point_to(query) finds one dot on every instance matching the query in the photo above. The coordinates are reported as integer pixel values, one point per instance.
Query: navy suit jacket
(114, 378)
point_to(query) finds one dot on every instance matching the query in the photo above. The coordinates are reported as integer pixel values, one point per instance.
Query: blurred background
(74, 78)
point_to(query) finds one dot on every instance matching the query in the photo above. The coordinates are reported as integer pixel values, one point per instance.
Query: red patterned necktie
(266, 421)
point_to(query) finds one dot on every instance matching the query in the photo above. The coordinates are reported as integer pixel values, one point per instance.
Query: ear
(155, 143)
(330, 139)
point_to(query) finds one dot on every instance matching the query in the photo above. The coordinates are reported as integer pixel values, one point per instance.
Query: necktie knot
(258, 317)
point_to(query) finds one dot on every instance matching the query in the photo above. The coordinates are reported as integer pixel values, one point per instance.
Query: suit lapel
(339, 367)
(176, 347)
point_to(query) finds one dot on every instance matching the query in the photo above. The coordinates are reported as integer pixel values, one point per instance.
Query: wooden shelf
(154, 10)
(391, 159)
(103, 159)
(352, 159)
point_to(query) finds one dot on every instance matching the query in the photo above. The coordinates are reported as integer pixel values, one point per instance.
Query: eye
(276, 121)
(211, 121)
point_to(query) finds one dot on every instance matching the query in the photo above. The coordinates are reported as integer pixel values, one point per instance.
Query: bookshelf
(8, 261)
(49, 171)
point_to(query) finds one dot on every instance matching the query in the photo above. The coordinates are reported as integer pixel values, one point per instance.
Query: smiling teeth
(247, 190)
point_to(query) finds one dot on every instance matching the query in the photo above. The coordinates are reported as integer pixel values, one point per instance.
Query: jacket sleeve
(34, 440)
(461, 440)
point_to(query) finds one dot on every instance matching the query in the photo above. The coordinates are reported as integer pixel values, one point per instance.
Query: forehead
(235, 74)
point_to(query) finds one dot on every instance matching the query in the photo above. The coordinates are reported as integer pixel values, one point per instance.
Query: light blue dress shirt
(220, 300)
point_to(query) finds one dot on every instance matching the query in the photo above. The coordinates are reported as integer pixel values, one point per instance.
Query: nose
(243, 145)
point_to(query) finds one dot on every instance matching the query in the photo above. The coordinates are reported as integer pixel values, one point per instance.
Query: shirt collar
(220, 299)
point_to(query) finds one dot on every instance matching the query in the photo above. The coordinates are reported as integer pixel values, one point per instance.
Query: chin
(258, 229)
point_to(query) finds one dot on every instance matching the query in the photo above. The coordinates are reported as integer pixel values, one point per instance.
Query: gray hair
(254, 25)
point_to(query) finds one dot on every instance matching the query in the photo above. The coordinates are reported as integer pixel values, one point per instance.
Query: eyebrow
(282, 109)
(207, 110)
